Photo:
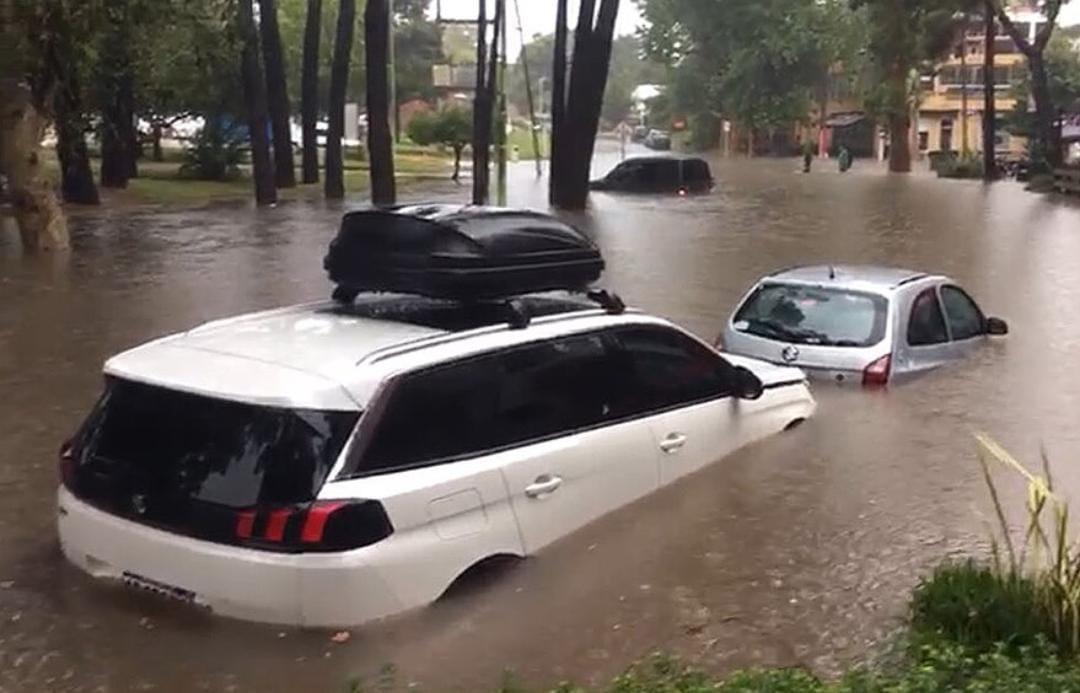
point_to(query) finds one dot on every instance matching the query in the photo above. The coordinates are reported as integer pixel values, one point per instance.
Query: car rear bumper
(319, 590)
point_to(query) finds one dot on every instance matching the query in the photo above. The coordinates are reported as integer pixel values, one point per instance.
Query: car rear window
(152, 451)
(804, 314)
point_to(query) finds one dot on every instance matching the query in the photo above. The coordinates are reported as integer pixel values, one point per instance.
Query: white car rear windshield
(802, 314)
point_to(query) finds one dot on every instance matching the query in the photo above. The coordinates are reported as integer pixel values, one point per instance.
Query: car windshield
(172, 447)
(804, 314)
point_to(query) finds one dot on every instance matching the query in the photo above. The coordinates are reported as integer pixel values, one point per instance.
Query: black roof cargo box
(460, 253)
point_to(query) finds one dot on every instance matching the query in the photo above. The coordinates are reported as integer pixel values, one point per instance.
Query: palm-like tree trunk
(380, 140)
(309, 92)
(481, 113)
(989, 127)
(277, 94)
(255, 101)
(558, 102)
(334, 185)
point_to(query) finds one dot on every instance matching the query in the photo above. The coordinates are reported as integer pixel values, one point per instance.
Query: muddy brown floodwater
(797, 551)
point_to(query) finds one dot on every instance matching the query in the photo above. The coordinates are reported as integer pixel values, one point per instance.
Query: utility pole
(529, 94)
(500, 189)
(392, 68)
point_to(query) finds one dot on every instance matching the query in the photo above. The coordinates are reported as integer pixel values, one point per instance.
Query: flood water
(798, 551)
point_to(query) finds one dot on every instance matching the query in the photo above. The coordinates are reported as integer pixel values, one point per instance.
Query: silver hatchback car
(865, 324)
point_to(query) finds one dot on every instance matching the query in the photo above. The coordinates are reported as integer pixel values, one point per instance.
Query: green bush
(215, 154)
(975, 606)
(965, 166)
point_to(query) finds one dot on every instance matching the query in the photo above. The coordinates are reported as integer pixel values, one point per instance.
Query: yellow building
(943, 124)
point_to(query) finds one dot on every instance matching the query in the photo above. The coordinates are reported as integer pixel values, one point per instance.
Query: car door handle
(545, 485)
(673, 443)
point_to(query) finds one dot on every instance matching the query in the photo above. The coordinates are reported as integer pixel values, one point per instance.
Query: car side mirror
(747, 385)
(997, 327)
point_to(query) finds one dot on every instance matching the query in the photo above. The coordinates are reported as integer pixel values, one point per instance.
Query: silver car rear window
(803, 314)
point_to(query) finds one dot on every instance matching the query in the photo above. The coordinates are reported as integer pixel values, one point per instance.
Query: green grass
(522, 139)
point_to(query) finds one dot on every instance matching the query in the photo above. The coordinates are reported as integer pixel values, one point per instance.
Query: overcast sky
(538, 16)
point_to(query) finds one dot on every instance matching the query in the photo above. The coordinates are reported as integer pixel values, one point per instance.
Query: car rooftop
(867, 277)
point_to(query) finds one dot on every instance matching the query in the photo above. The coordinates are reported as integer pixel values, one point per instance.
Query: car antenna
(832, 272)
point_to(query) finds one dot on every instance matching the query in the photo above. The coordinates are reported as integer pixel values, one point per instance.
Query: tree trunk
(159, 155)
(380, 139)
(458, 148)
(334, 185)
(133, 147)
(586, 113)
(964, 150)
(573, 130)
(37, 212)
(277, 94)
(989, 120)
(255, 103)
(77, 184)
(481, 114)
(899, 143)
(117, 82)
(309, 92)
(558, 104)
(1047, 135)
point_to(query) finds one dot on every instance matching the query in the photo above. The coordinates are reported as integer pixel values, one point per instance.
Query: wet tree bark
(588, 79)
(255, 102)
(277, 94)
(37, 212)
(77, 184)
(309, 92)
(899, 143)
(380, 139)
(1048, 136)
(117, 83)
(989, 125)
(334, 185)
(482, 106)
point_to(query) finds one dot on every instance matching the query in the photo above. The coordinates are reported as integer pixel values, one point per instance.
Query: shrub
(215, 154)
(964, 166)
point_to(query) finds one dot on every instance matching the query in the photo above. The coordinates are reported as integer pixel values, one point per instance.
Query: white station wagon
(333, 463)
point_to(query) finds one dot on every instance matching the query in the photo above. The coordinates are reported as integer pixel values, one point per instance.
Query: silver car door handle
(673, 443)
(544, 485)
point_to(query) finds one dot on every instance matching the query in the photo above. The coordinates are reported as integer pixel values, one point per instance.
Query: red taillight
(67, 463)
(319, 526)
(877, 373)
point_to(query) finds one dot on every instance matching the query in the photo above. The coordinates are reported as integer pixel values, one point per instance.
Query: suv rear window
(154, 453)
(804, 314)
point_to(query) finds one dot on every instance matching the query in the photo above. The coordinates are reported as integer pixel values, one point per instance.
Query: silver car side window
(926, 325)
(966, 321)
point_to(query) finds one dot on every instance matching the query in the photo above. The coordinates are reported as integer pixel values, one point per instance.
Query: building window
(924, 141)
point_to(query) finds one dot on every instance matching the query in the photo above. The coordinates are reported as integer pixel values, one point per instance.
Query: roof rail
(912, 278)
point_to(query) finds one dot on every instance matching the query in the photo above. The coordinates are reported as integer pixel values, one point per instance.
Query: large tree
(115, 79)
(334, 184)
(66, 57)
(310, 91)
(380, 141)
(1047, 140)
(26, 93)
(574, 137)
(277, 92)
(255, 100)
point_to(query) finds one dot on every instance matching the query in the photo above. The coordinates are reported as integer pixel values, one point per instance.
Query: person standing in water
(844, 159)
(807, 156)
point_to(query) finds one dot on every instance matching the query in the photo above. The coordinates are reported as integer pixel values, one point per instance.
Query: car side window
(670, 369)
(926, 325)
(966, 321)
(433, 415)
(555, 387)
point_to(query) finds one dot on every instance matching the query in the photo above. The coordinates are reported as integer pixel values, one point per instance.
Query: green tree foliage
(418, 46)
(1063, 72)
(451, 127)
(758, 62)
(292, 16)
(629, 68)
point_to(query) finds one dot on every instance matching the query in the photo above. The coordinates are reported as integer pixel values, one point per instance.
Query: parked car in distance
(639, 134)
(333, 463)
(658, 140)
(657, 174)
(865, 324)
